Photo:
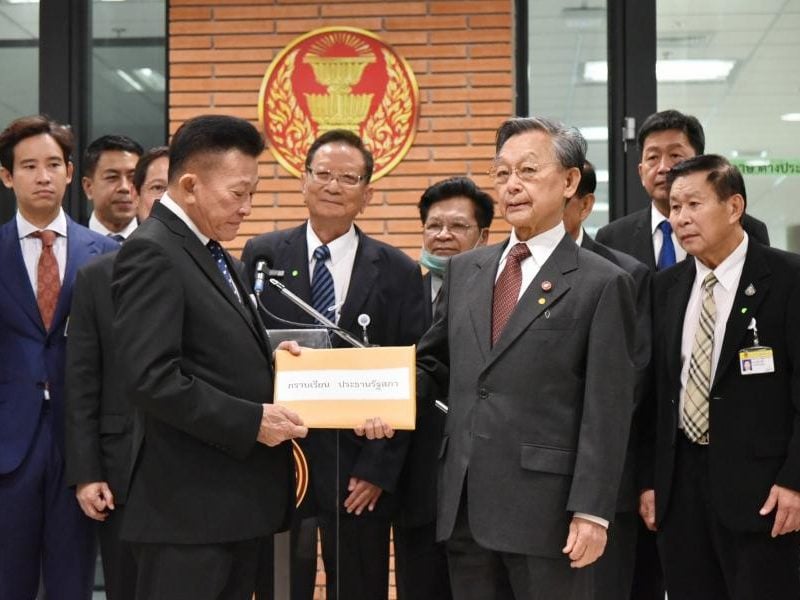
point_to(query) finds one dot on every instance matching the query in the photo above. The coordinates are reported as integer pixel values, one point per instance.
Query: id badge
(756, 360)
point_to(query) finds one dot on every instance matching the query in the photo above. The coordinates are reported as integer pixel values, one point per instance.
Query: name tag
(756, 360)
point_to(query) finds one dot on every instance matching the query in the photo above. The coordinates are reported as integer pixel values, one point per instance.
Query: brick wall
(460, 51)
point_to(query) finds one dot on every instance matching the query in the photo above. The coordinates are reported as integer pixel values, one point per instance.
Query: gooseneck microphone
(261, 276)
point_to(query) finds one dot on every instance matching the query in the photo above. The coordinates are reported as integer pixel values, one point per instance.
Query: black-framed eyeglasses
(324, 177)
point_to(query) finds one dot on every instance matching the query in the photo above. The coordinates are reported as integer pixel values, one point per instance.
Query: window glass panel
(746, 111)
(562, 39)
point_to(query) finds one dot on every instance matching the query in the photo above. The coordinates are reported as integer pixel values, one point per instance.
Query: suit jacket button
(483, 394)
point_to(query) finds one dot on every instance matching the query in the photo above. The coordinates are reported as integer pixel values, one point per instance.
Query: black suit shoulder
(756, 229)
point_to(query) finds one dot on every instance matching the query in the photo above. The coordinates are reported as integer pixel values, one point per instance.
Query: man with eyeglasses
(150, 179)
(353, 498)
(456, 216)
(532, 346)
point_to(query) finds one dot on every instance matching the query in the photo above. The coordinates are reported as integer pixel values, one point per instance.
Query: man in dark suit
(354, 496)
(727, 446)
(614, 571)
(43, 531)
(150, 179)
(211, 473)
(456, 216)
(664, 139)
(522, 344)
(108, 164)
(99, 423)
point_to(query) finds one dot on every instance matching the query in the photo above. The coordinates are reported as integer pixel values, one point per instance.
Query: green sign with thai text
(771, 167)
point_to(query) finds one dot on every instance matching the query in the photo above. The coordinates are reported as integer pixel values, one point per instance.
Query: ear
(86, 184)
(8, 179)
(640, 168)
(573, 178)
(736, 207)
(587, 204)
(483, 238)
(186, 187)
(70, 171)
(366, 198)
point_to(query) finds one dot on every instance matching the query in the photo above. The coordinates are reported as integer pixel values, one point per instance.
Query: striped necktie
(698, 385)
(323, 296)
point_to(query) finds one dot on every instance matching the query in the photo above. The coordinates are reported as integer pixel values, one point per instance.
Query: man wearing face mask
(455, 216)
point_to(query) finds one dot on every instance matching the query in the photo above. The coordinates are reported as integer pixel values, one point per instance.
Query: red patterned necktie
(506, 290)
(48, 283)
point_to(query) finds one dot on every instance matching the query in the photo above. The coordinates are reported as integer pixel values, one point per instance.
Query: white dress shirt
(728, 274)
(32, 247)
(96, 225)
(175, 208)
(340, 264)
(541, 247)
(658, 237)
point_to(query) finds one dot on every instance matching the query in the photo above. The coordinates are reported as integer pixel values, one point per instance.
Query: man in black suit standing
(211, 475)
(726, 498)
(614, 571)
(98, 422)
(456, 216)
(370, 278)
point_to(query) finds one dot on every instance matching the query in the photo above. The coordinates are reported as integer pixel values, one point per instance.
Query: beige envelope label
(341, 388)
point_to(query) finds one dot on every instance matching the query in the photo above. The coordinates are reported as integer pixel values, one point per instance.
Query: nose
(247, 206)
(43, 175)
(126, 183)
(444, 232)
(514, 183)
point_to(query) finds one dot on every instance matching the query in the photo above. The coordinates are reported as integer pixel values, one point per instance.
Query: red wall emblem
(339, 78)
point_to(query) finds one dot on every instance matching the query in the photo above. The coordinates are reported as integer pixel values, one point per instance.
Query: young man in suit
(664, 139)
(212, 476)
(108, 166)
(614, 571)
(354, 500)
(725, 490)
(99, 422)
(43, 530)
(522, 344)
(456, 216)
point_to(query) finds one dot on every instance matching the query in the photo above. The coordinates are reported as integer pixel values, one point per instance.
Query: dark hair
(672, 119)
(107, 143)
(25, 127)
(345, 137)
(453, 188)
(568, 143)
(210, 134)
(724, 177)
(144, 162)
(588, 182)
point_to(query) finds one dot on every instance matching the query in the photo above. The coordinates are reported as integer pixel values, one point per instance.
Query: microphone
(261, 276)
(310, 310)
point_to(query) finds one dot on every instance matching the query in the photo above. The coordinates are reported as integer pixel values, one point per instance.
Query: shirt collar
(338, 247)
(541, 246)
(729, 270)
(96, 225)
(655, 218)
(174, 207)
(59, 225)
(581, 233)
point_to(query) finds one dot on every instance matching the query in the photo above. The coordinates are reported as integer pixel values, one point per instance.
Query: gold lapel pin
(542, 300)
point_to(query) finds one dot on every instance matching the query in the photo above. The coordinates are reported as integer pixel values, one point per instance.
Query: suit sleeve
(150, 304)
(789, 475)
(608, 401)
(84, 376)
(381, 461)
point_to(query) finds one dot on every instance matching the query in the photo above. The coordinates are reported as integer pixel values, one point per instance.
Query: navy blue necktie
(323, 297)
(219, 257)
(117, 237)
(666, 257)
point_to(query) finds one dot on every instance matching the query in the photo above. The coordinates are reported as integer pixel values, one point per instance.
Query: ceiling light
(670, 71)
(791, 117)
(130, 80)
(23, 1)
(151, 78)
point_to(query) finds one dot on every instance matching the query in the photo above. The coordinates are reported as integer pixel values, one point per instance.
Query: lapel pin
(744, 310)
(750, 290)
(542, 300)
(547, 314)
(295, 272)
(547, 286)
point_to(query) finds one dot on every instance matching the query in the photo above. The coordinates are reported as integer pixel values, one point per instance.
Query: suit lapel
(293, 258)
(13, 275)
(479, 292)
(643, 239)
(529, 308)
(362, 280)
(755, 273)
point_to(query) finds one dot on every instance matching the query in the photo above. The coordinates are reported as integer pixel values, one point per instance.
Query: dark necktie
(666, 257)
(48, 282)
(219, 257)
(117, 237)
(323, 297)
(506, 290)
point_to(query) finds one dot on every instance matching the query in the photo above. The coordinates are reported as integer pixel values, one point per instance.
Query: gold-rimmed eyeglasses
(324, 177)
(526, 170)
(434, 228)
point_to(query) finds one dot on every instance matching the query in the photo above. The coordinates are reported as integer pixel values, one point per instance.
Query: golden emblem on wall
(339, 78)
